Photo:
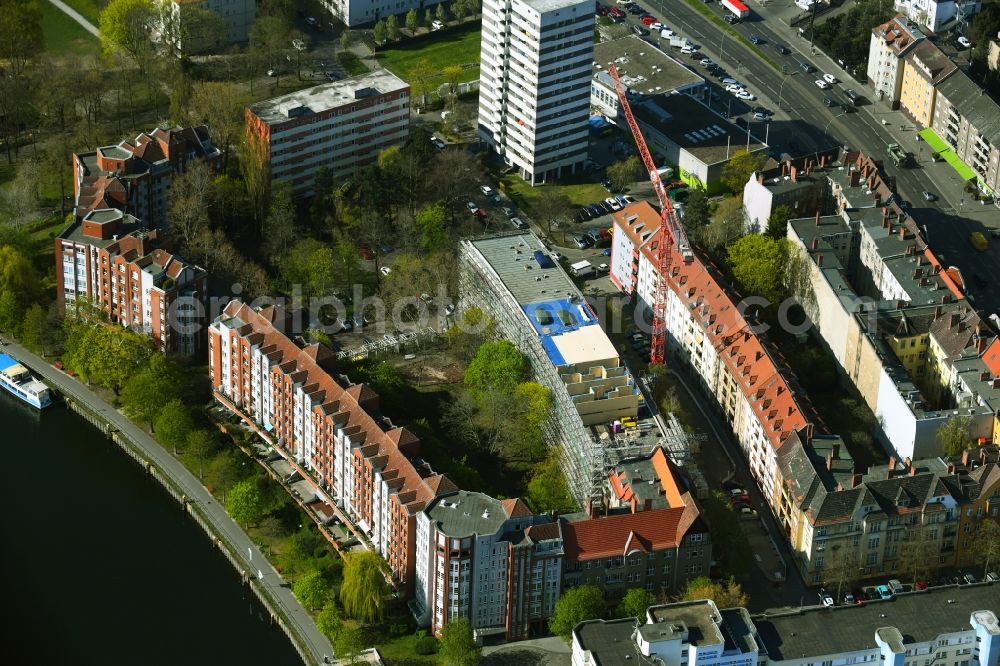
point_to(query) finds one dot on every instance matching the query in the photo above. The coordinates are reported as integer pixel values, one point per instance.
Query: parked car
(992, 577)
(385, 270)
(518, 223)
(825, 598)
(883, 592)
(830, 78)
(607, 252)
(647, 20)
(969, 579)
(486, 190)
(472, 207)
(614, 203)
(821, 84)
(807, 68)
(782, 49)
(921, 585)
(964, 42)
(761, 117)
(849, 599)
(895, 586)
(582, 242)
(929, 196)
(640, 31)
(745, 95)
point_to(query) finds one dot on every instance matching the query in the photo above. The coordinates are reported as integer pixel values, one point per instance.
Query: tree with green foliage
(697, 210)
(458, 646)
(255, 167)
(328, 621)
(145, 393)
(725, 595)
(433, 232)
(364, 590)
(428, 17)
(547, 490)
(635, 603)
(17, 276)
(458, 10)
(201, 445)
(498, 365)
(226, 469)
(757, 263)
(733, 548)
(105, 354)
(35, 328)
(345, 40)
(379, 32)
(349, 644)
(219, 104)
(11, 314)
(392, 28)
(245, 504)
(986, 546)
(124, 27)
(21, 37)
(311, 588)
(625, 172)
(955, 436)
(576, 605)
(440, 13)
(412, 20)
(173, 424)
(739, 168)
(777, 223)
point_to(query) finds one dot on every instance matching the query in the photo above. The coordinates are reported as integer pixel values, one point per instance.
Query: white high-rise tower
(534, 83)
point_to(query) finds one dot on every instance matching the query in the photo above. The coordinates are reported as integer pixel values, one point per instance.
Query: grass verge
(351, 63)
(89, 9)
(524, 195)
(64, 36)
(454, 49)
(704, 10)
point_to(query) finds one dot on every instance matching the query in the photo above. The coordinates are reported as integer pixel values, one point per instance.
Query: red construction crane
(671, 233)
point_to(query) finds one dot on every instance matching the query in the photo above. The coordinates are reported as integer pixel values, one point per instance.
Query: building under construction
(513, 279)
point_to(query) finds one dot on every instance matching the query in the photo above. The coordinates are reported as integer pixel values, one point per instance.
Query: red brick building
(135, 176)
(107, 259)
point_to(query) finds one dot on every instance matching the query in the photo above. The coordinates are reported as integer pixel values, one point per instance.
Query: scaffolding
(587, 456)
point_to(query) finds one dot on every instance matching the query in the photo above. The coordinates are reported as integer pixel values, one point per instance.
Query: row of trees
(586, 602)
(389, 27)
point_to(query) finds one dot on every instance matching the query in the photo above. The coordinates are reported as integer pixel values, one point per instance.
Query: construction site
(601, 413)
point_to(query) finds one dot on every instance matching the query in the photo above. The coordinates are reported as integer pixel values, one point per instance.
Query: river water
(98, 565)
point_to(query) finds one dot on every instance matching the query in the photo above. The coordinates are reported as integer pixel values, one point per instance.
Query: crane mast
(671, 233)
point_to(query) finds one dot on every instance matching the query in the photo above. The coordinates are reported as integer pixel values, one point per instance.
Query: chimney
(760, 178)
(589, 508)
(819, 260)
(829, 463)
(647, 505)
(913, 471)
(951, 468)
(891, 472)
(953, 320)
(855, 481)
(795, 172)
(817, 217)
(885, 223)
(907, 463)
(965, 457)
(815, 243)
(855, 178)
(902, 233)
(982, 455)
(836, 452)
(937, 311)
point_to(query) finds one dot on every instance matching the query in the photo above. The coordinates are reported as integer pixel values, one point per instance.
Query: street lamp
(827, 128)
(782, 86)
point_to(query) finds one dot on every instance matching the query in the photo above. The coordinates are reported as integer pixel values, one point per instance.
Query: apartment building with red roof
(108, 259)
(649, 534)
(330, 426)
(708, 331)
(135, 176)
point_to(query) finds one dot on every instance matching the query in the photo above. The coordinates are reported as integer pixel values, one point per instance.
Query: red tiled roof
(515, 508)
(619, 534)
(743, 352)
(543, 532)
(415, 486)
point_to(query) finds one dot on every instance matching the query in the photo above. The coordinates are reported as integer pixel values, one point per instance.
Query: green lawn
(90, 9)
(64, 36)
(450, 49)
(524, 195)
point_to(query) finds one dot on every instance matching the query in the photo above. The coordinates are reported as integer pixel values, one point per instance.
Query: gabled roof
(620, 534)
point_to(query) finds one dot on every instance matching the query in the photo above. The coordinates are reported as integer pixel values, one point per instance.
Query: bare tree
(188, 214)
(219, 104)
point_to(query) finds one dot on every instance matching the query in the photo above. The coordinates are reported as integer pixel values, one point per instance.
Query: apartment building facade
(534, 85)
(948, 625)
(135, 176)
(935, 16)
(355, 13)
(649, 534)
(924, 68)
(341, 126)
(889, 45)
(109, 261)
(492, 562)
(969, 122)
(707, 331)
(185, 27)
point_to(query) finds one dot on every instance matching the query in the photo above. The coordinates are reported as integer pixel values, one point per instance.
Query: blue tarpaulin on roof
(598, 123)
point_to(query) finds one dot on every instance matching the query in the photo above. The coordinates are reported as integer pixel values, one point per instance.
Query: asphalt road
(288, 606)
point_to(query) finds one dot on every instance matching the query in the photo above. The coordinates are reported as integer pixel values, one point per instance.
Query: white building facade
(935, 15)
(890, 42)
(534, 86)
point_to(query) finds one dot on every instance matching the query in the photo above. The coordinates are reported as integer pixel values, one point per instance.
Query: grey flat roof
(695, 128)
(464, 513)
(542, 6)
(610, 642)
(919, 616)
(979, 109)
(512, 257)
(327, 96)
(642, 67)
(698, 616)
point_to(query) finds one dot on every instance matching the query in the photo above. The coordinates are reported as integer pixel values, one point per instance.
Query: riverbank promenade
(251, 560)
